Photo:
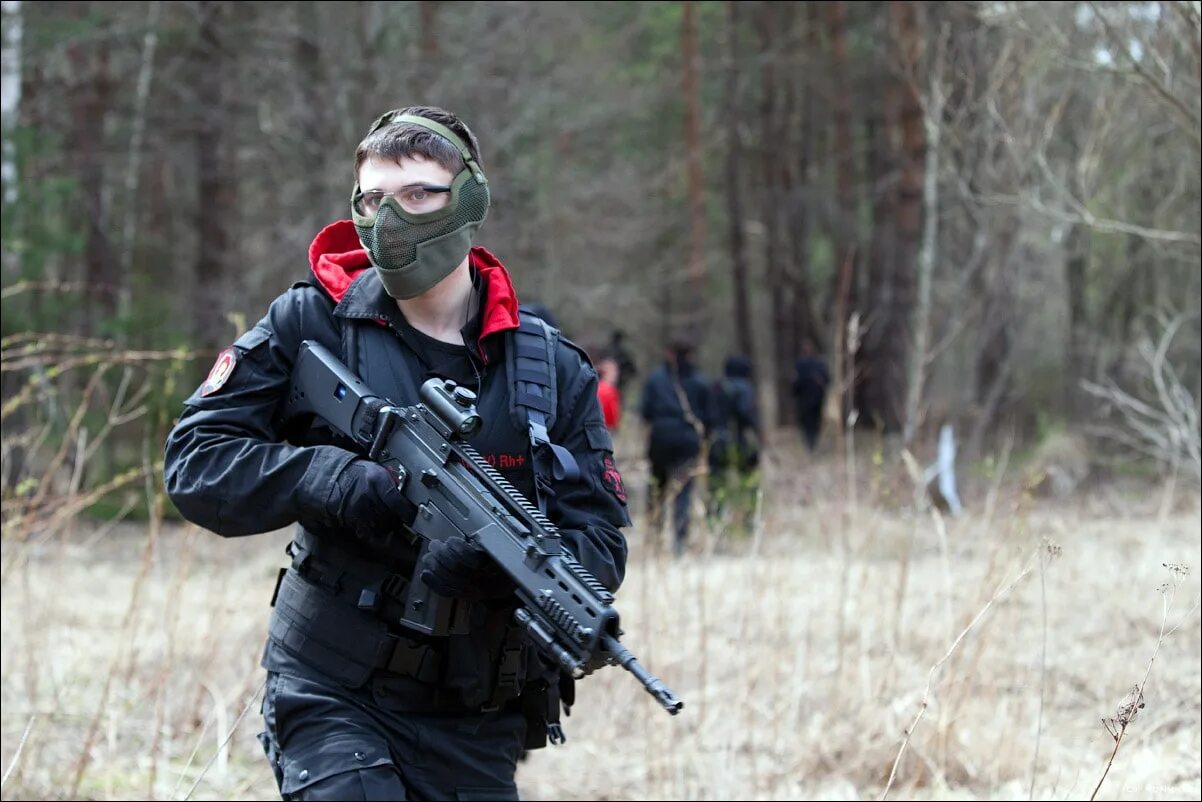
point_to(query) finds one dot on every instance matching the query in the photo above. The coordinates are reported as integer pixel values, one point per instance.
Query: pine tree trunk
(771, 205)
(214, 221)
(928, 251)
(428, 50)
(734, 195)
(91, 96)
(841, 152)
(692, 144)
(133, 172)
(806, 327)
(881, 162)
(898, 333)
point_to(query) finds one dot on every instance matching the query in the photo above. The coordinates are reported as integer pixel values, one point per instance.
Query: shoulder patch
(221, 371)
(612, 480)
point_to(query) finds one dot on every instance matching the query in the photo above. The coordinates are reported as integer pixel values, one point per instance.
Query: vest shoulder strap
(534, 400)
(532, 371)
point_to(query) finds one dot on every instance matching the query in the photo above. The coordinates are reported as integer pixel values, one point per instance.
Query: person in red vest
(607, 391)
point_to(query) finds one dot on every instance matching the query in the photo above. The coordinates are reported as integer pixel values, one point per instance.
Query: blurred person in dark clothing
(627, 369)
(734, 448)
(678, 407)
(810, 382)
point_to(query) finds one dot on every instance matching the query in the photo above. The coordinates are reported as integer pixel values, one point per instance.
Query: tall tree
(90, 98)
(897, 335)
(692, 145)
(843, 157)
(736, 216)
(773, 203)
(427, 38)
(804, 324)
(133, 170)
(932, 119)
(881, 166)
(217, 193)
(313, 134)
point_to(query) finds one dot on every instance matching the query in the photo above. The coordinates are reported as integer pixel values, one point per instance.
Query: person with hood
(355, 707)
(677, 406)
(735, 444)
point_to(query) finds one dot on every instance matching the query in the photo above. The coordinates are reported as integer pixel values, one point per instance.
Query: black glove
(454, 567)
(366, 501)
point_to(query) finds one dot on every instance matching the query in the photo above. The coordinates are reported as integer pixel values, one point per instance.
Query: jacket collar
(366, 299)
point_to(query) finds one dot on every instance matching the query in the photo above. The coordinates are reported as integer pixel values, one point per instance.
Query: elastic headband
(438, 128)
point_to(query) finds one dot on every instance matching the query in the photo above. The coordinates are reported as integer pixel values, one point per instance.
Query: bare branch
(1167, 433)
(1082, 216)
(1189, 118)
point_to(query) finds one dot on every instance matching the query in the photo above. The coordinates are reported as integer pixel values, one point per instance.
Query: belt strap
(324, 628)
(386, 596)
(367, 590)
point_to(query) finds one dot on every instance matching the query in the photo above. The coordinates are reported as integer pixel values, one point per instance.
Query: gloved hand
(366, 501)
(454, 567)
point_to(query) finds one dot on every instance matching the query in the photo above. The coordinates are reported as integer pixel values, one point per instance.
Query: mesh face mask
(413, 252)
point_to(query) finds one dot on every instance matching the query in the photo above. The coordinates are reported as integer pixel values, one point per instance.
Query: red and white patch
(613, 480)
(222, 369)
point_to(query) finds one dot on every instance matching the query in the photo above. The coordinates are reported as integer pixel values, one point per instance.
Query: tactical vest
(331, 607)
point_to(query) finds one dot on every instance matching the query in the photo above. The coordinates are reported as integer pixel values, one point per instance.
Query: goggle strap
(438, 128)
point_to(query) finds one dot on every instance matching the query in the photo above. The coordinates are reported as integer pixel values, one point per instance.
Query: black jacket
(673, 434)
(736, 435)
(810, 381)
(232, 467)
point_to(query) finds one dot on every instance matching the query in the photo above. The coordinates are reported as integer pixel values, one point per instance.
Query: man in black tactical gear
(355, 707)
(678, 408)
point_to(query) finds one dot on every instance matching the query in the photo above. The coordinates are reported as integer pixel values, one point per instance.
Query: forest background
(984, 215)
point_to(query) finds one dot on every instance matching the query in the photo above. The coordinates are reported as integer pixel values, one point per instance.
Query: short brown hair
(398, 140)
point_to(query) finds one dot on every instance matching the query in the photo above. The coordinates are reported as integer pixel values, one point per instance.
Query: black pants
(678, 478)
(809, 415)
(325, 741)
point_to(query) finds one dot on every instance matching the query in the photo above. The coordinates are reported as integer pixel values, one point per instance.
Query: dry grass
(153, 672)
